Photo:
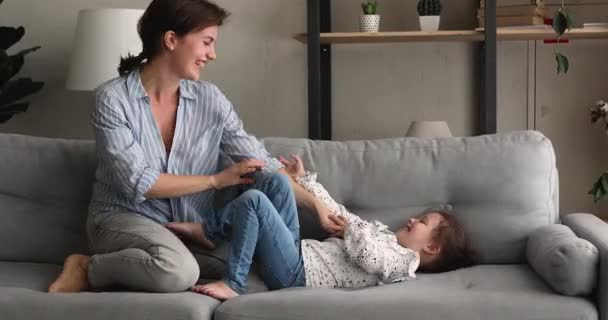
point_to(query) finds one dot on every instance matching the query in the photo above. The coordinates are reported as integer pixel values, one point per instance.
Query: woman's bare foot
(74, 277)
(192, 231)
(218, 290)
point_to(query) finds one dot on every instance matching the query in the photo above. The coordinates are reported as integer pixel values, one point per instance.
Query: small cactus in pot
(429, 11)
(369, 21)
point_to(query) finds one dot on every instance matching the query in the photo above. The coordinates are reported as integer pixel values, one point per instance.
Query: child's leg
(247, 220)
(277, 187)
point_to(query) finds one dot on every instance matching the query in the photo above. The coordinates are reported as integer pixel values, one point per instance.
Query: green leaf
(7, 112)
(17, 89)
(604, 181)
(599, 191)
(5, 118)
(10, 65)
(560, 22)
(14, 108)
(562, 63)
(9, 36)
(570, 20)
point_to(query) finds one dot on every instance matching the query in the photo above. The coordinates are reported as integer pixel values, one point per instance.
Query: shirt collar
(137, 91)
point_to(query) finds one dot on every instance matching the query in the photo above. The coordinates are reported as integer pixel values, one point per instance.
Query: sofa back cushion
(45, 187)
(501, 187)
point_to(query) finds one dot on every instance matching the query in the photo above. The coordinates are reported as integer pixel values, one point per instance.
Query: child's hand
(294, 168)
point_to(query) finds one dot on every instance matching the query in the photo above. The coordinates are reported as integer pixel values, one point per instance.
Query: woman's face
(193, 51)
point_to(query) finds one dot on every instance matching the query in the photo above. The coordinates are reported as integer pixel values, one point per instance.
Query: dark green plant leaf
(570, 20)
(560, 22)
(10, 65)
(5, 118)
(604, 180)
(598, 191)
(7, 112)
(9, 36)
(14, 108)
(17, 89)
(562, 63)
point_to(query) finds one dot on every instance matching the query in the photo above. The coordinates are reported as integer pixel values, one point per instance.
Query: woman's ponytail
(130, 63)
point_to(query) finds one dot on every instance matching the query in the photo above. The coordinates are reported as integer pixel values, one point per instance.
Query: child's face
(417, 234)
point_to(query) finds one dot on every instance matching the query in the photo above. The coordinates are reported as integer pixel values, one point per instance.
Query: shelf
(454, 35)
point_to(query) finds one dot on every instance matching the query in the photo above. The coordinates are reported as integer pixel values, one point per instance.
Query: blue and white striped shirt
(131, 153)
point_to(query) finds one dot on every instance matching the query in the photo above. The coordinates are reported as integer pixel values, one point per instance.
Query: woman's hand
(239, 173)
(332, 223)
(295, 167)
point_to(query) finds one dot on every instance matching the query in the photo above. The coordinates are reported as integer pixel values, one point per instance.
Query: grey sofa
(502, 187)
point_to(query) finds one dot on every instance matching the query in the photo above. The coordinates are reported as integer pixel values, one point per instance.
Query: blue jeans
(261, 223)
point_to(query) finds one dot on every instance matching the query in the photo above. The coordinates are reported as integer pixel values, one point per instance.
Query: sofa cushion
(501, 187)
(23, 296)
(568, 263)
(483, 292)
(45, 187)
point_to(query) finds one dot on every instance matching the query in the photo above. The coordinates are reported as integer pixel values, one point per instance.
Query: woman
(160, 137)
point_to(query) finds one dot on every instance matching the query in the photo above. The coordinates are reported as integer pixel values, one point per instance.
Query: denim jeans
(262, 224)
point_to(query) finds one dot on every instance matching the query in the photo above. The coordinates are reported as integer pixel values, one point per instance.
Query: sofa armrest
(594, 230)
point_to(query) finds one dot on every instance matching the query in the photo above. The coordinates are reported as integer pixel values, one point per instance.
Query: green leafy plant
(429, 7)
(562, 21)
(369, 7)
(12, 91)
(600, 187)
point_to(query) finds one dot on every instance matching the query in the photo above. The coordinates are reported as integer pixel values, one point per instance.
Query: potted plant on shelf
(429, 11)
(369, 21)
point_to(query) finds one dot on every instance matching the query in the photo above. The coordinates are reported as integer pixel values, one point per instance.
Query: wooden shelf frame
(453, 36)
(320, 39)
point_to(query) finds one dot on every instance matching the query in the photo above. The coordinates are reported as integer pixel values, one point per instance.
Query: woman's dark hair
(456, 251)
(179, 16)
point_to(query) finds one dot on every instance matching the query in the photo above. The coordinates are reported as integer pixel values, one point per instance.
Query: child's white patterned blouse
(369, 254)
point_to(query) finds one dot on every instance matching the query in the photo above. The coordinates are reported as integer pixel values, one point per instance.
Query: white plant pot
(429, 23)
(369, 22)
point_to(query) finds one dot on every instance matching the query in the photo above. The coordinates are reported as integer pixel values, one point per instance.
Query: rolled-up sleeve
(121, 157)
(236, 143)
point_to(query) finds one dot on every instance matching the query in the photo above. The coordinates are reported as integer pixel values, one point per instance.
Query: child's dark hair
(179, 16)
(456, 251)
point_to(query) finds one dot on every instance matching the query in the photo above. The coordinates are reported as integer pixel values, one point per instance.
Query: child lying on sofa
(369, 253)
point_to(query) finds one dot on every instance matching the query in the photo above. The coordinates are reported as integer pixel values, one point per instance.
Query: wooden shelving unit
(452, 36)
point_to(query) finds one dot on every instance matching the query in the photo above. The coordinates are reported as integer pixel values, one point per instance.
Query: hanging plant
(562, 21)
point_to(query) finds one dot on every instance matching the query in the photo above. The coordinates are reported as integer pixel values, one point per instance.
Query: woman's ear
(170, 40)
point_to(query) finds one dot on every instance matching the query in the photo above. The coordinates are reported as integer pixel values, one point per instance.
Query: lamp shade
(102, 37)
(429, 129)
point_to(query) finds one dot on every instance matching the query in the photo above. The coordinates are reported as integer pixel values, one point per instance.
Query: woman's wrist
(212, 181)
(320, 208)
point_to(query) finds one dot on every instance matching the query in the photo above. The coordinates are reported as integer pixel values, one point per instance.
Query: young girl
(369, 253)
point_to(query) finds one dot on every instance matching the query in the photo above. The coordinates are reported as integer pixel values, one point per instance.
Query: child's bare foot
(192, 231)
(74, 277)
(218, 290)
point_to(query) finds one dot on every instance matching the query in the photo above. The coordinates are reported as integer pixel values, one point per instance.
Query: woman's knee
(176, 273)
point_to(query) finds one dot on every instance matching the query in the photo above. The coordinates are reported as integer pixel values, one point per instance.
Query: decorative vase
(429, 23)
(369, 22)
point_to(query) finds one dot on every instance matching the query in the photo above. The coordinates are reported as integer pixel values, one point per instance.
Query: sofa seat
(482, 292)
(23, 296)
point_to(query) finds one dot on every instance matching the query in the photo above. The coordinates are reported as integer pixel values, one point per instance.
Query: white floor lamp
(429, 129)
(102, 37)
